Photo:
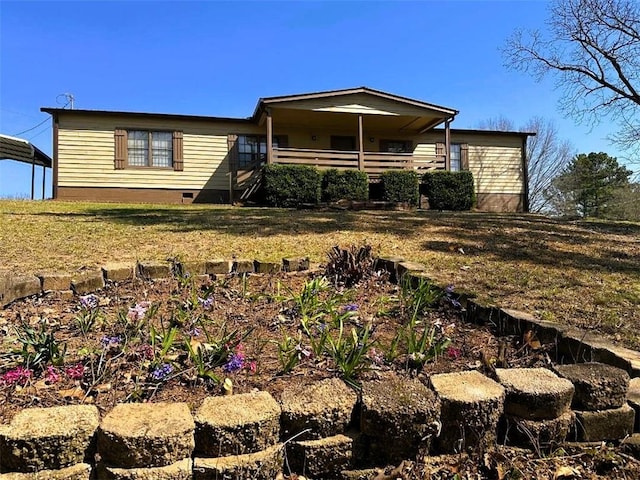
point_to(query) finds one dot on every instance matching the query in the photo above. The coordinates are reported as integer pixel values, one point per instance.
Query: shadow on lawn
(535, 242)
(509, 237)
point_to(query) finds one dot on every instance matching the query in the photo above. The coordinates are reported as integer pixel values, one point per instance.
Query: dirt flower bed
(186, 338)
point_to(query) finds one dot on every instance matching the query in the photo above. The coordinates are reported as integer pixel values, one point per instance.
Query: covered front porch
(359, 128)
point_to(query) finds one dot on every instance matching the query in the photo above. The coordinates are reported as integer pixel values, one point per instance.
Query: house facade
(150, 157)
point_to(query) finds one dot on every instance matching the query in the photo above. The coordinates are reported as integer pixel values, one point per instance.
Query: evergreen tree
(587, 184)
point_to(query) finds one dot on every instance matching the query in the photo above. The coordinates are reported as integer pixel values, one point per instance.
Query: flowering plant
(16, 376)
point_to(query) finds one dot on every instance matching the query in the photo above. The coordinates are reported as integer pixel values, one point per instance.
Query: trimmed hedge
(291, 185)
(400, 186)
(344, 185)
(449, 190)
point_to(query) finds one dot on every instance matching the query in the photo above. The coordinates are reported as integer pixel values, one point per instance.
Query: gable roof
(281, 100)
(12, 148)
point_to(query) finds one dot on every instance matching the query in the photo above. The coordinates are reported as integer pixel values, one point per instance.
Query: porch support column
(447, 144)
(269, 137)
(44, 176)
(360, 144)
(33, 175)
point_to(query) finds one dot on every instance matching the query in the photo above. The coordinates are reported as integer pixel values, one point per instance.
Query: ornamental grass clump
(349, 266)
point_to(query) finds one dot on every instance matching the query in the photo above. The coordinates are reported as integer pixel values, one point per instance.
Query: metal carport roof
(12, 148)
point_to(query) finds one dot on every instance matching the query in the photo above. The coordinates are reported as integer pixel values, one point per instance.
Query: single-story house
(154, 157)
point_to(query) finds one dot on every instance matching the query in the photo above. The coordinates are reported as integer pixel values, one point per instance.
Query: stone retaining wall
(325, 429)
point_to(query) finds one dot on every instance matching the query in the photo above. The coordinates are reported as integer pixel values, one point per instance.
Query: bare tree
(547, 155)
(592, 47)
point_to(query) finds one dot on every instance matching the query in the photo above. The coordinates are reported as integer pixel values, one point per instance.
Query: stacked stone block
(237, 436)
(55, 442)
(316, 418)
(399, 417)
(537, 407)
(472, 405)
(600, 401)
(149, 440)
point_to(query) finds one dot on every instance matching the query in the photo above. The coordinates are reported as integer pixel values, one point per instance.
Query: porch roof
(381, 108)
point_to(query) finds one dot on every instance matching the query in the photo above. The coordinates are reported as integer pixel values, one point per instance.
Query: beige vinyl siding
(86, 153)
(496, 169)
(357, 103)
(494, 160)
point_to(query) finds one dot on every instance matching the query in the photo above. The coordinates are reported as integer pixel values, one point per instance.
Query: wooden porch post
(269, 137)
(360, 144)
(44, 176)
(447, 144)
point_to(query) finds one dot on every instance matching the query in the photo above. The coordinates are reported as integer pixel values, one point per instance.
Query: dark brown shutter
(384, 145)
(178, 157)
(408, 146)
(464, 156)
(440, 149)
(120, 158)
(233, 151)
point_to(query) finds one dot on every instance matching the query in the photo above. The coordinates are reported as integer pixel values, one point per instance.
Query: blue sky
(218, 58)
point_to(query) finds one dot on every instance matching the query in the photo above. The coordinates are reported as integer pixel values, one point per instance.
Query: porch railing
(374, 162)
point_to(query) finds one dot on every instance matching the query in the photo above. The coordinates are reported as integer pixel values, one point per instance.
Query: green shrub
(291, 185)
(400, 186)
(344, 185)
(449, 190)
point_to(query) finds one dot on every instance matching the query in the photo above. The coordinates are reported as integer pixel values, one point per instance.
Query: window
(455, 155)
(149, 149)
(143, 148)
(253, 148)
(396, 146)
(344, 143)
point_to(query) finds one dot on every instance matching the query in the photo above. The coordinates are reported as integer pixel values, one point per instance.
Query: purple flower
(162, 372)
(89, 302)
(113, 340)
(18, 375)
(455, 303)
(352, 307)
(195, 332)
(449, 289)
(206, 302)
(235, 363)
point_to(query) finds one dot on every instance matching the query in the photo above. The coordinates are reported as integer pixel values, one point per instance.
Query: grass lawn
(586, 273)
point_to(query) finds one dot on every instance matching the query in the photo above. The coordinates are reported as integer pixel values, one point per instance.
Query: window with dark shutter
(144, 148)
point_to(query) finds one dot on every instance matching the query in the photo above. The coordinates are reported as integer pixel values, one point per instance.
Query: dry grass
(583, 273)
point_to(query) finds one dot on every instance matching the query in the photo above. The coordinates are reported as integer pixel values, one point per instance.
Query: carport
(12, 148)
